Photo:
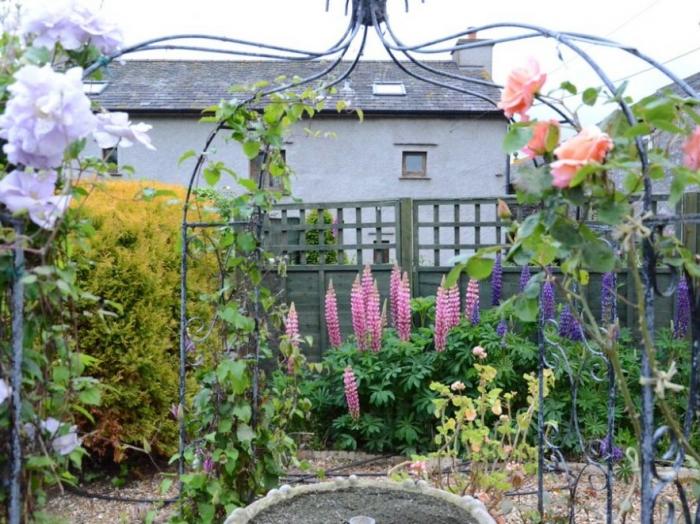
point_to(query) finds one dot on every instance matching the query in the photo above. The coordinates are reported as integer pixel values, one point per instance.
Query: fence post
(691, 232)
(405, 235)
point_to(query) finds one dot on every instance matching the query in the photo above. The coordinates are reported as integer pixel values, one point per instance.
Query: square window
(414, 164)
(269, 181)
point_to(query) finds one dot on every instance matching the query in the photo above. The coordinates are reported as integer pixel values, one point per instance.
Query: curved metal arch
(372, 12)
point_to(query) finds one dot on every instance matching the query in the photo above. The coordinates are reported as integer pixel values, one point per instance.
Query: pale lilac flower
(357, 310)
(65, 444)
(403, 309)
(71, 24)
(524, 278)
(471, 310)
(351, 396)
(5, 391)
(45, 113)
(332, 322)
(496, 281)
(479, 352)
(682, 314)
(367, 284)
(394, 283)
(115, 129)
(50, 425)
(442, 317)
(34, 193)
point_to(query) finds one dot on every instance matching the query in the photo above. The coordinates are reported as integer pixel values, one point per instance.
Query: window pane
(414, 163)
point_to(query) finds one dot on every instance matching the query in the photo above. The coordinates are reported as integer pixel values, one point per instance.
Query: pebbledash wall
(340, 158)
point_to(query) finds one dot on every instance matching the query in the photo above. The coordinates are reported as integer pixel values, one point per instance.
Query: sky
(668, 30)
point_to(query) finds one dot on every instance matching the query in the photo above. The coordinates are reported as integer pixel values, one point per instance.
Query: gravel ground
(70, 508)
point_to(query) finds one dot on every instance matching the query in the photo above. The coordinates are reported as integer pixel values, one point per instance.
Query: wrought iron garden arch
(365, 15)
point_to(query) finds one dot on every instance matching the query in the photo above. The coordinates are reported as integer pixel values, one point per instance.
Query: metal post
(15, 513)
(183, 354)
(540, 420)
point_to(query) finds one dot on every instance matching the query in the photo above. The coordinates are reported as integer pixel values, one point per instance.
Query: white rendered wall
(358, 161)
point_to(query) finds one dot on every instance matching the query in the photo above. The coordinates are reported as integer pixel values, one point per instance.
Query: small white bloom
(34, 192)
(5, 391)
(115, 129)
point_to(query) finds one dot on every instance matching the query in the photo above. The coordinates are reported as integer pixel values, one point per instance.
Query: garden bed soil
(384, 505)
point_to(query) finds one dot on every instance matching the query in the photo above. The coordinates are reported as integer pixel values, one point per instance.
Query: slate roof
(160, 86)
(692, 80)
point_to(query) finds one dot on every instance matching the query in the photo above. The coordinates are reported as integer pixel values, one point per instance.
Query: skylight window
(388, 89)
(94, 87)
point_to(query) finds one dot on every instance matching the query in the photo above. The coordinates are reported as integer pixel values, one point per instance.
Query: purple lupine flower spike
(442, 317)
(547, 301)
(497, 281)
(608, 304)
(502, 328)
(524, 278)
(681, 318)
(565, 320)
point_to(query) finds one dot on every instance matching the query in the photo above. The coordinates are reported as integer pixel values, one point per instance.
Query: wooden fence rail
(420, 235)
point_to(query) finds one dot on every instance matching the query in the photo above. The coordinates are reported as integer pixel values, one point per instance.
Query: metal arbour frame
(372, 14)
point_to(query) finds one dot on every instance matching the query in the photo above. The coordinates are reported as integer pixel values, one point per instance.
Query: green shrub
(313, 238)
(397, 411)
(132, 262)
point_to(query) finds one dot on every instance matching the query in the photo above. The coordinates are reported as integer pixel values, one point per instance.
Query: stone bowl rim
(474, 507)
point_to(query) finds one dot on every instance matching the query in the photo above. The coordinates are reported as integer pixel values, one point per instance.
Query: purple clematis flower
(71, 24)
(115, 129)
(34, 193)
(45, 113)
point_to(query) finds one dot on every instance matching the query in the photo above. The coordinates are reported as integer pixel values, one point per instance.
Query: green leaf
(245, 433)
(526, 309)
(246, 241)
(184, 156)
(454, 274)
(590, 96)
(479, 268)
(212, 174)
(568, 86)
(516, 138)
(612, 212)
(533, 180)
(251, 149)
(598, 256)
(90, 396)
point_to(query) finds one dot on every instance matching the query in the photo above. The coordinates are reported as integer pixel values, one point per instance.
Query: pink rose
(590, 145)
(541, 135)
(520, 89)
(691, 150)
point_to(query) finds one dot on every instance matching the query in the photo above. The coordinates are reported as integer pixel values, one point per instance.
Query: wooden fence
(420, 235)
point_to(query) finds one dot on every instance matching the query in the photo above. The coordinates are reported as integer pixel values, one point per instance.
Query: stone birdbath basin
(346, 501)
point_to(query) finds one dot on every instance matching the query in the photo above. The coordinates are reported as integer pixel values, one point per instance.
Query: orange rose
(520, 89)
(691, 150)
(540, 136)
(590, 145)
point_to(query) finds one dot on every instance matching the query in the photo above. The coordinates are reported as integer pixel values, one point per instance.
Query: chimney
(475, 57)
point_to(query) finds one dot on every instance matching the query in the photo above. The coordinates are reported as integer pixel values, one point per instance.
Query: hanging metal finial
(363, 10)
